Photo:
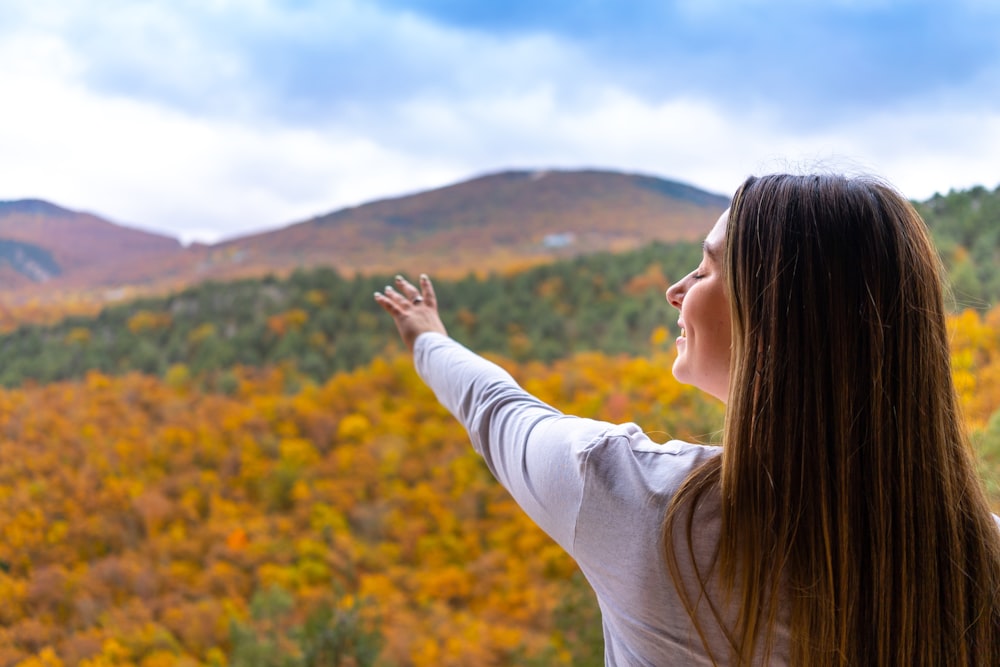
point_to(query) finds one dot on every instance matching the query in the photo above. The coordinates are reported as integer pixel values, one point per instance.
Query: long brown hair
(850, 505)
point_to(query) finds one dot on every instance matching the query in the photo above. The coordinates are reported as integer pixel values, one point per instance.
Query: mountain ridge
(491, 222)
(31, 206)
(507, 213)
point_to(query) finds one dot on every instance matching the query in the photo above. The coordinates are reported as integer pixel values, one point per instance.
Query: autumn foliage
(251, 473)
(141, 516)
(148, 522)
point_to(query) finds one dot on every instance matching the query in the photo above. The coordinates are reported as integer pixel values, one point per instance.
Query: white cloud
(485, 102)
(200, 179)
(925, 152)
(696, 141)
(205, 179)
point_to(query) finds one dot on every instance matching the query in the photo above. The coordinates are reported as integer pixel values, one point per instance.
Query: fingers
(404, 296)
(392, 301)
(411, 293)
(388, 304)
(427, 289)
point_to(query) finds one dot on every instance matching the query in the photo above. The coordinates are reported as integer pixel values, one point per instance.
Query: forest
(966, 229)
(251, 474)
(324, 323)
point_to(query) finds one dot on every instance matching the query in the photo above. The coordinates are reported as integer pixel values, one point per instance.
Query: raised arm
(533, 450)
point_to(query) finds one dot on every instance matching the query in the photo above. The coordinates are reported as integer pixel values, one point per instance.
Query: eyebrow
(710, 251)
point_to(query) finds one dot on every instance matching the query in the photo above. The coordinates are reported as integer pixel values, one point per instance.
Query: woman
(842, 522)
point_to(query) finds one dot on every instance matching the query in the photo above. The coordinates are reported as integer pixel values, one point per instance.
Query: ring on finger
(417, 299)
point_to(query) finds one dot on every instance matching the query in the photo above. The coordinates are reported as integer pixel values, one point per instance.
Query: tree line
(323, 323)
(965, 225)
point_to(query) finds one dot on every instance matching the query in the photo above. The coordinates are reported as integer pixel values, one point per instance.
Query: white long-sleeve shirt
(600, 490)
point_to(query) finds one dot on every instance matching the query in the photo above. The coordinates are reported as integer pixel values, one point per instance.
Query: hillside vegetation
(150, 522)
(147, 521)
(251, 474)
(324, 323)
(966, 228)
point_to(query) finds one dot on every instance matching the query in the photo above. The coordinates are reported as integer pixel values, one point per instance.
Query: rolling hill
(496, 222)
(42, 244)
(514, 218)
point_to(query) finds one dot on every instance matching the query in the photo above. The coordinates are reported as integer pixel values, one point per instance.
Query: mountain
(499, 221)
(513, 218)
(43, 243)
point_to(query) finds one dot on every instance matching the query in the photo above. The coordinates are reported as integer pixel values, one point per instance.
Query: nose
(675, 294)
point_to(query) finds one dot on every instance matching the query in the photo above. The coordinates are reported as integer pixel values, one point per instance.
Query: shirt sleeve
(533, 450)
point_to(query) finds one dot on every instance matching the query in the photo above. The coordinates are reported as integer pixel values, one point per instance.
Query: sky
(211, 119)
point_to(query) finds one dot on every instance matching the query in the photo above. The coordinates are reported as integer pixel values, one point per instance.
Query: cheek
(718, 331)
(722, 329)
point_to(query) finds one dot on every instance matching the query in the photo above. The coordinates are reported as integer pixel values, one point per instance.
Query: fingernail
(423, 276)
(399, 278)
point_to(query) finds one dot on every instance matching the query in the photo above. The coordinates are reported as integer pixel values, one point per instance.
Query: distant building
(560, 240)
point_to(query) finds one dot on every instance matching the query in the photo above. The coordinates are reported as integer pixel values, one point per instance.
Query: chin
(681, 375)
(677, 370)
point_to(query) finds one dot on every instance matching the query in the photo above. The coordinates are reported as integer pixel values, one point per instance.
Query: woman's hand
(414, 311)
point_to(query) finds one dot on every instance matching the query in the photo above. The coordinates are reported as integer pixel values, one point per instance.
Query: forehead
(717, 236)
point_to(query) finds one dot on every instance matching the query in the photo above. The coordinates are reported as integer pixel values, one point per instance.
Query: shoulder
(629, 481)
(625, 461)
